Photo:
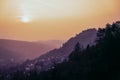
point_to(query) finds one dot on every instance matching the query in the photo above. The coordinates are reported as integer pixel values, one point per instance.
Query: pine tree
(74, 56)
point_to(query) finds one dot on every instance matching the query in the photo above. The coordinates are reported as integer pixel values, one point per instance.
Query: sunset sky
(54, 19)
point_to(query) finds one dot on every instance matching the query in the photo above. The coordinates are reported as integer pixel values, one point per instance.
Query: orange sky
(54, 19)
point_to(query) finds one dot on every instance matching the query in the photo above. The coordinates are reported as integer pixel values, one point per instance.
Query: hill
(46, 61)
(18, 51)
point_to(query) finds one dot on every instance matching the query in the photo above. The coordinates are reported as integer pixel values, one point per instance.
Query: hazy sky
(54, 19)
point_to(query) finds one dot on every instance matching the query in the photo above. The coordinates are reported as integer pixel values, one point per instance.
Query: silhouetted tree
(74, 56)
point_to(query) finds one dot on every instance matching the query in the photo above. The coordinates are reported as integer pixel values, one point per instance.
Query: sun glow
(25, 19)
(54, 19)
(42, 9)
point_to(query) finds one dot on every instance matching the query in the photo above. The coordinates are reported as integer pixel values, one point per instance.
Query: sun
(25, 19)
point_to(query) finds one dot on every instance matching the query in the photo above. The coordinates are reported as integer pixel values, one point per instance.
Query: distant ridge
(85, 38)
(15, 51)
